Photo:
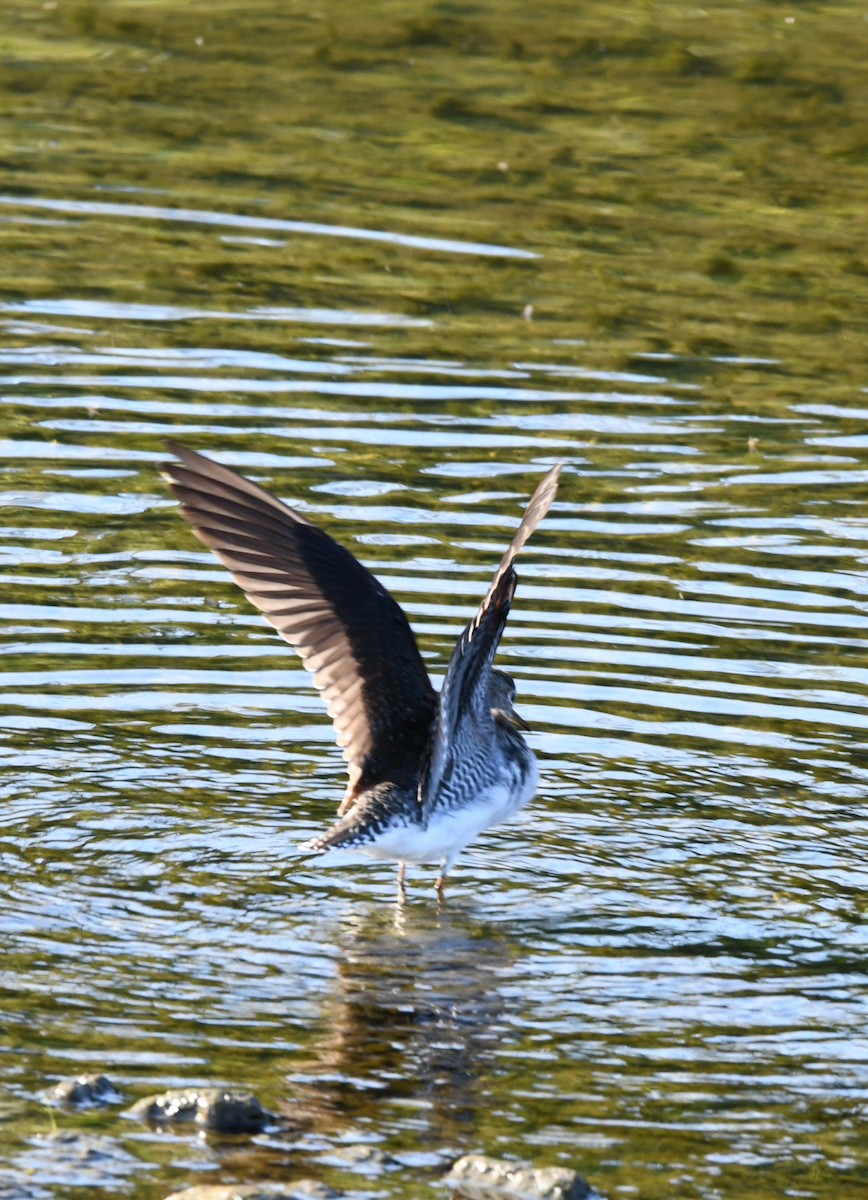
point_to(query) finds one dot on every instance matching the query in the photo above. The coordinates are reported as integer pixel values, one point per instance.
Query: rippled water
(657, 975)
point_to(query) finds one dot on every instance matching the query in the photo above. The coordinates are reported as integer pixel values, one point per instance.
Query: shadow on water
(411, 1024)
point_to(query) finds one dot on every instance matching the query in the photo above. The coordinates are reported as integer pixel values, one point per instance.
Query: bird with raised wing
(427, 772)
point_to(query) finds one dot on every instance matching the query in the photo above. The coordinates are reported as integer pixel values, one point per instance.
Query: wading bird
(427, 773)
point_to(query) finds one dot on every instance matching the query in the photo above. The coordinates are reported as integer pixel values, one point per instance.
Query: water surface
(469, 246)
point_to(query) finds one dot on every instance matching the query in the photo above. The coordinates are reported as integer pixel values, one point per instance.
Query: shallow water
(657, 975)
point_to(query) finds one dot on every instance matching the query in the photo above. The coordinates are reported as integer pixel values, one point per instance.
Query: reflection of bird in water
(414, 1025)
(427, 773)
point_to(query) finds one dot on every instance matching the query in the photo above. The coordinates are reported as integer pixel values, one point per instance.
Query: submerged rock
(478, 1177)
(68, 1159)
(365, 1159)
(301, 1189)
(11, 1189)
(223, 1110)
(86, 1091)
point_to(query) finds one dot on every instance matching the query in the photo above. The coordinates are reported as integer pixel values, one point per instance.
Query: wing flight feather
(349, 631)
(463, 713)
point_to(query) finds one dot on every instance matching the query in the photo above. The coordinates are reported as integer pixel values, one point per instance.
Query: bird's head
(501, 697)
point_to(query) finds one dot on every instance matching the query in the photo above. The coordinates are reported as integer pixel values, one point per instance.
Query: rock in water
(222, 1110)
(85, 1091)
(302, 1189)
(478, 1177)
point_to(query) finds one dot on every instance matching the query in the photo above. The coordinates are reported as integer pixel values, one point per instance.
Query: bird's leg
(402, 871)
(440, 883)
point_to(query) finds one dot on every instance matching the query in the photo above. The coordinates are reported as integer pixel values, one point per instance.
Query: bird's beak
(518, 722)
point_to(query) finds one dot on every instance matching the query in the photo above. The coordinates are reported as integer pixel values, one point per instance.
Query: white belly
(447, 833)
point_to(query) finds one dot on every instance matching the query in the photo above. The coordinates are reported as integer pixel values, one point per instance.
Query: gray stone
(223, 1110)
(361, 1157)
(478, 1177)
(86, 1091)
(300, 1189)
(312, 1189)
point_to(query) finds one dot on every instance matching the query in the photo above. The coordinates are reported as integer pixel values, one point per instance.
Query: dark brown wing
(351, 635)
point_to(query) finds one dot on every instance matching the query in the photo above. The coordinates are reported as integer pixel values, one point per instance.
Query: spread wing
(464, 718)
(350, 633)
